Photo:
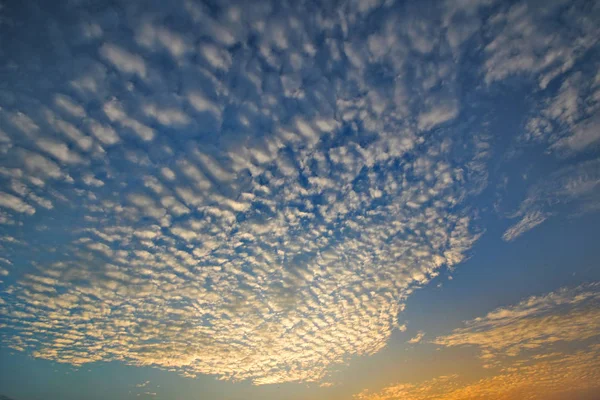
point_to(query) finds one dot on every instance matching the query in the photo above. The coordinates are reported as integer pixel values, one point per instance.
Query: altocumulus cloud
(280, 210)
(255, 190)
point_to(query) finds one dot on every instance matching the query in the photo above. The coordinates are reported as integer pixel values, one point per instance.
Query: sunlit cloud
(254, 193)
(417, 338)
(537, 326)
(559, 376)
(253, 241)
(567, 315)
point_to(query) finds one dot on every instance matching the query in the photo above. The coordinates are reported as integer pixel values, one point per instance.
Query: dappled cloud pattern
(253, 190)
(239, 207)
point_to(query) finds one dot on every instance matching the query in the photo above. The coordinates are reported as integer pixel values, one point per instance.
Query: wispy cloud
(526, 223)
(535, 325)
(577, 187)
(567, 315)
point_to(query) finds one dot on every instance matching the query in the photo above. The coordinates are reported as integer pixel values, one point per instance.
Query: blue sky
(364, 200)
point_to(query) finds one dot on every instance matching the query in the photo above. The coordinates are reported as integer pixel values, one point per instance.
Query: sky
(300, 199)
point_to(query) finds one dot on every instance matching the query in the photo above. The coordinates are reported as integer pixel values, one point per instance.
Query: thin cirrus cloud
(255, 193)
(539, 326)
(574, 188)
(559, 376)
(567, 315)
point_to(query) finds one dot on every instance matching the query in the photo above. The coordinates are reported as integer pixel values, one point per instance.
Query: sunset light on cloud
(355, 199)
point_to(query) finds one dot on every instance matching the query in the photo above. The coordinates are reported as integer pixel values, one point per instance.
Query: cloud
(552, 44)
(114, 110)
(15, 203)
(166, 116)
(40, 165)
(60, 151)
(201, 103)
(217, 58)
(569, 121)
(123, 60)
(526, 40)
(248, 200)
(417, 338)
(527, 223)
(567, 315)
(577, 186)
(535, 326)
(437, 115)
(104, 133)
(67, 104)
(238, 222)
(153, 36)
(559, 376)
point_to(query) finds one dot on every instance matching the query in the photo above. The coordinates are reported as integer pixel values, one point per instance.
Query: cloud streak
(560, 376)
(567, 315)
(536, 326)
(577, 187)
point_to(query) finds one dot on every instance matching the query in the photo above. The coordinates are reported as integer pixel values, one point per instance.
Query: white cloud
(437, 115)
(569, 121)
(584, 135)
(92, 80)
(15, 203)
(115, 112)
(67, 104)
(217, 57)
(577, 186)
(123, 60)
(167, 173)
(528, 42)
(90, 180)
(282, 228)
(153, 36)
(39, 164)
(166, 116)
(60, 151)
(104, 133)
(201, 103)
(24, 123)
(527, 222)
